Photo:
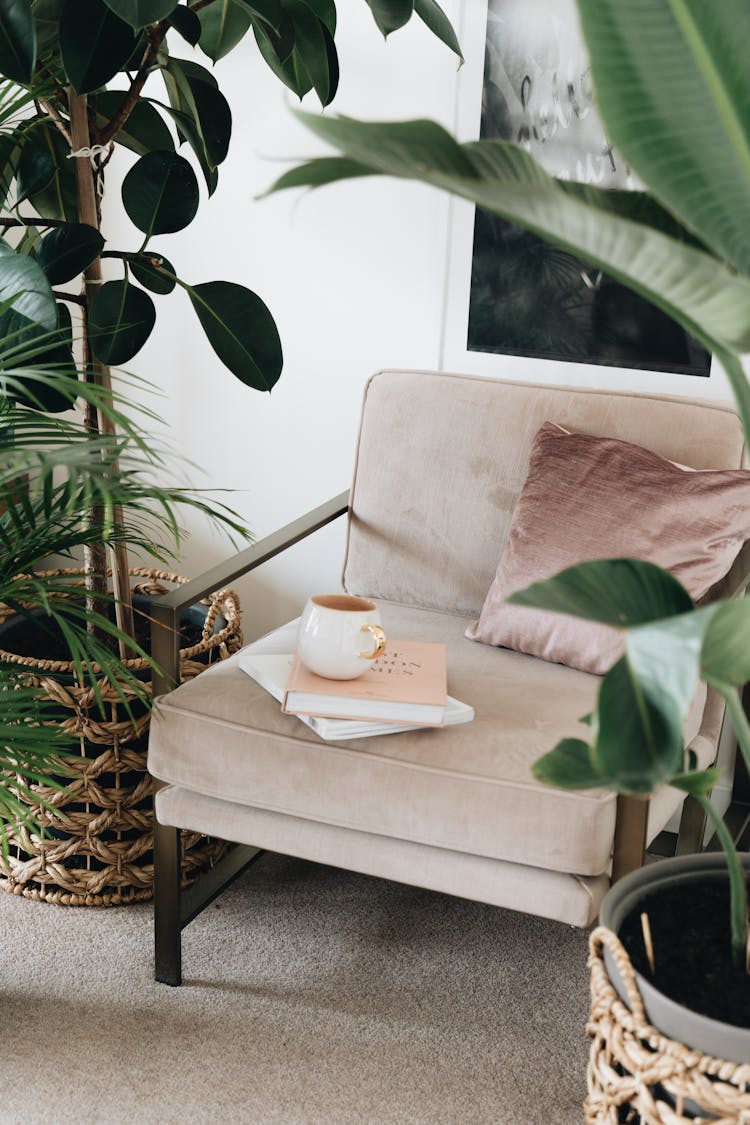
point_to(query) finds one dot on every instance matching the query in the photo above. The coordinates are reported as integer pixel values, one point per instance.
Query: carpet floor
(312, 996)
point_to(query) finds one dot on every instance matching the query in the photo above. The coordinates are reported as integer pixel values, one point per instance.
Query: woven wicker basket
(97, 848)
(638, 1075)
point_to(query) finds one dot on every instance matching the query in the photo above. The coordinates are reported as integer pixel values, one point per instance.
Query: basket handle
(602, 936)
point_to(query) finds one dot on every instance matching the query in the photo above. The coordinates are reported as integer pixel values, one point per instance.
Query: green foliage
(121, 319)
(48, 45)
(684, 245)
(66, 251)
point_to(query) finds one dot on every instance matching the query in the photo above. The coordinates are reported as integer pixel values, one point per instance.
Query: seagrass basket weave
(97, 848)
(636, 1074)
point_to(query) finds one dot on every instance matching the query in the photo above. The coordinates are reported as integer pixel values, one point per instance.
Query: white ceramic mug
(340, 635)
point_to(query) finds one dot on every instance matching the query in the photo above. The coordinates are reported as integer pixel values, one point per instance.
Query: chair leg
(630, 836)
(692, 827)
(167, 924)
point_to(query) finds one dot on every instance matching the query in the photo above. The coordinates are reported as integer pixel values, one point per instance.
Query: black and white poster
(527, 298)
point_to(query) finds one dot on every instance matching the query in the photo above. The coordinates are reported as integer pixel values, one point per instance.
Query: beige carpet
(311, 996)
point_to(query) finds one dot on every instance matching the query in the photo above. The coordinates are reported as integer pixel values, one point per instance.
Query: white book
(271, 671)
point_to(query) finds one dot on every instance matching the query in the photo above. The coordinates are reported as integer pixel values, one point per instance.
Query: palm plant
(670, 80)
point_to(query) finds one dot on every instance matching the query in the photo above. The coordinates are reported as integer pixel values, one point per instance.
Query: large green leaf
(433, 15)
(142, 267)
(390, 15)
(21, 277)
(120, 321)
(17, 40)
(670, 78)
(50, 384)
(639, 740)
(725, 656)
(47, 26)
(46, 176)
(94, 43)
(223, 25)
(267, 12)
(186, 23)
(202, 113)
(304, 57)
(241, 331)
(705, 296)
(568, 766)
(140, 13)
(160, 193)
(618, 592)
(65, 252)
(665, 656)
(145, 129)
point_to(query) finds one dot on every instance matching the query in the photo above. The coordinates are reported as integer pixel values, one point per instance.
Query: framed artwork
(516, 306)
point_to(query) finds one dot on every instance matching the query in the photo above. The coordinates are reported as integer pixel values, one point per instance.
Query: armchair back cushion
(442, 459)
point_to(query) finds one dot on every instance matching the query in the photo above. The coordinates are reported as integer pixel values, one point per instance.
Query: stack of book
(405, 689)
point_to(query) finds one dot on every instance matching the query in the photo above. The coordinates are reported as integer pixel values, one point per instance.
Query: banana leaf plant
(671, 86)
(80, 78)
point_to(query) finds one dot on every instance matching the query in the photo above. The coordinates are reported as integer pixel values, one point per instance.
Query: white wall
(353, 274)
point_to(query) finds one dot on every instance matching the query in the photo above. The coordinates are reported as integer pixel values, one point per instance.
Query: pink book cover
(407, 672)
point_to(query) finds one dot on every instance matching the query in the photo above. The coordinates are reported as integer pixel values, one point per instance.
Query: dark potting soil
(692, 951)
(41, 638)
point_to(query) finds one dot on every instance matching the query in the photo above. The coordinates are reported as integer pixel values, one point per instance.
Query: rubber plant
(88, 76)
(671, 85)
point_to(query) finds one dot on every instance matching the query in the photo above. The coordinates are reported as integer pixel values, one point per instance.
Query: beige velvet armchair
(440, 462)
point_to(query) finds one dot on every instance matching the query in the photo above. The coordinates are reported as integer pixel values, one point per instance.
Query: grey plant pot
(722, 1040)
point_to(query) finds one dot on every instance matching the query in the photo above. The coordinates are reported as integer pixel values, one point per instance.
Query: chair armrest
(165, 611)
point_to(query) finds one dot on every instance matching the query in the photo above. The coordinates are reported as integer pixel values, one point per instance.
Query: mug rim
(333, 602)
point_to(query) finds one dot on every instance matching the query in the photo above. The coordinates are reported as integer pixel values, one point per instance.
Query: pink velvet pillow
(587, 498)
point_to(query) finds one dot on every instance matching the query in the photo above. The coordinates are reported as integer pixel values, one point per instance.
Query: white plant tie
(93, 155)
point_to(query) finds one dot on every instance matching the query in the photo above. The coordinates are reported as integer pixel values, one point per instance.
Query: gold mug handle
(378, 637)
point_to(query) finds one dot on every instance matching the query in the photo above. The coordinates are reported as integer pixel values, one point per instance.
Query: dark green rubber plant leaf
(241, 331)
(390, 15)
(145, 129)
(160, 193)
(17, 40)
(268, 12)
(94, 44)
(619, 592)
(52, 386)
(304, 57)
(639, 743)
(120, 321)
(186, 23)
(46, 176)
(568, 766)
(145, 269)
(206, 119)
(66, 251)
(47, 15)
(430, 12)
(141, 13)
(222, 25)
(23, 278)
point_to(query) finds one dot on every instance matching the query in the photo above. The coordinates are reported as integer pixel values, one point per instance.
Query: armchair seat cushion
(469, 790)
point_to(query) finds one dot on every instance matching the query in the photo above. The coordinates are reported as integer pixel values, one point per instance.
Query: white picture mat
(454, 355)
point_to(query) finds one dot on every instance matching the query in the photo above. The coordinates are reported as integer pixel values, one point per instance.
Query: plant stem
(740, 725)
(88, 212)
(738, 915)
